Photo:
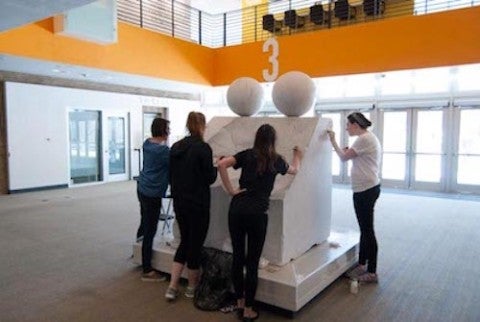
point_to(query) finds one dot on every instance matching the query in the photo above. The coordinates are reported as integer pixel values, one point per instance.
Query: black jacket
(192, 171)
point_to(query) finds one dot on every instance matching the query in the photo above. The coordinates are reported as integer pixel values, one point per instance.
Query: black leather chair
(270, 24)
(316, 14)
(293, 20)
(343, 10)
(373, 7)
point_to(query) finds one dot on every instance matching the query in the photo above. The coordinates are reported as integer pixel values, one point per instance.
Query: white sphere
(294, 93)
(245, 96)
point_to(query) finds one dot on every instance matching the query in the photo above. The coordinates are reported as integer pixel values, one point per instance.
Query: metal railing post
(224, 29)
(141, 13)
(173, 18)
(255, 23)
(199, 27)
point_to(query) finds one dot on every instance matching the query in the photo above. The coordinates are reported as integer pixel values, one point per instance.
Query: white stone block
(300, 206)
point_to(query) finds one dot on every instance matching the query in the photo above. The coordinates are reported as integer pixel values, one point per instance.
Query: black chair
(373, 7)
(270, 24)
(343, 10)
(293, 20)
(316, 14)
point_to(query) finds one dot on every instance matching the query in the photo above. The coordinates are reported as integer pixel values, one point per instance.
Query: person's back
(151, 187)
(192, 171)
(191, 174)
(153, 179)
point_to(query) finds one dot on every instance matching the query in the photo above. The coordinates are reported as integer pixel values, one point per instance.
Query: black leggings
(364, 203)
(150, 211)
(193, 223)
(254, 227)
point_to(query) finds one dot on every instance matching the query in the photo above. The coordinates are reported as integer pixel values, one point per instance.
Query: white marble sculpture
(300, 206)
(294, 93)
(245, 96)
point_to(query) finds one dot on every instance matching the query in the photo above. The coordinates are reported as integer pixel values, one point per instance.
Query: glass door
(116, 148)
(337, 165)
(395, 149)
(468, 151)
(427, 150)
(85, 147)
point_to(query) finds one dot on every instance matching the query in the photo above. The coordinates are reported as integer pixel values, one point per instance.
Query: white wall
(37, 128)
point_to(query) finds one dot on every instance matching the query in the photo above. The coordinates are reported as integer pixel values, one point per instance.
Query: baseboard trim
(58, 186)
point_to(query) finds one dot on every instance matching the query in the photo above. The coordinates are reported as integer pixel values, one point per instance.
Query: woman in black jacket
(247, 217)
(191, 174)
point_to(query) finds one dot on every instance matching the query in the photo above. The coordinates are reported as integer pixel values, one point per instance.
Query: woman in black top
(191, 174)
(247, 215)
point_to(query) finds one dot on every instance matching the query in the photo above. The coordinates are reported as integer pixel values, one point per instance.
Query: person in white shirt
(365, 154)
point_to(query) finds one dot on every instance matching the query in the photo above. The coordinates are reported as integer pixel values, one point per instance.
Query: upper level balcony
(279, 18)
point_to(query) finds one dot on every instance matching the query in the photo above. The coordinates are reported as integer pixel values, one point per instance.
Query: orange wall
(138, 51)
(442, 39)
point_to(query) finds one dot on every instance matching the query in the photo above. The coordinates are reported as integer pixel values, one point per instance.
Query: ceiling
(15, 13)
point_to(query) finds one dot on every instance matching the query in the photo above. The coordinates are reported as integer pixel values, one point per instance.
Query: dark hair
(360, 119)
(160, 127)
(196, 123)
(264, 148)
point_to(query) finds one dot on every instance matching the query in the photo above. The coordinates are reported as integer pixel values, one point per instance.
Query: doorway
(98, 146)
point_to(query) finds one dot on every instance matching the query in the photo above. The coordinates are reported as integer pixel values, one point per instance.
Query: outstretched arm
(297, 158)
(344, 154)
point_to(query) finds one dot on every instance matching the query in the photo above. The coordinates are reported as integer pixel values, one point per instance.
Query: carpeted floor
(65, 256)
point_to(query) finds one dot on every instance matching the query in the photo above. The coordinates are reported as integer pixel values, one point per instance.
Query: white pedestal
(293, 285)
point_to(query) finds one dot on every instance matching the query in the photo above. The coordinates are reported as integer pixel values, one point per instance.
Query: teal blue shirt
(153, 180)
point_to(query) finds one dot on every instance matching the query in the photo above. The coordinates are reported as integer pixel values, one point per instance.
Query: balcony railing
(278, 18)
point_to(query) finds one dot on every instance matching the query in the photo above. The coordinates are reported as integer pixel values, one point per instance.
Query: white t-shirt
(365, 167)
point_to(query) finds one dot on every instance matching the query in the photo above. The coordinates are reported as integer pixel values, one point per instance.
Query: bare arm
(223, 165)
(344, 154)
(297, 158)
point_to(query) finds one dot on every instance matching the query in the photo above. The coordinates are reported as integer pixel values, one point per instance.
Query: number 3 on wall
(268, 75)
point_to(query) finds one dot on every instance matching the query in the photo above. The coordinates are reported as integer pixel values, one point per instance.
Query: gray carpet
(65, 257)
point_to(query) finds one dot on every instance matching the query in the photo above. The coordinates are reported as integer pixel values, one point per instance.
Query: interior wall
(38, 133)
(407, 42)
(138, 51)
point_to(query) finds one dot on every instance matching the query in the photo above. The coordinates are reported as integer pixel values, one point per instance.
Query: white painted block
(300, 206)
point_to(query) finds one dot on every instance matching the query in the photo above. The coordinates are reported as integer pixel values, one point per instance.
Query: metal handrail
(242, 26)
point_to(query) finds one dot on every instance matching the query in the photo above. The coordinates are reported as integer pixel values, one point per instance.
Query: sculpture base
(293, 285)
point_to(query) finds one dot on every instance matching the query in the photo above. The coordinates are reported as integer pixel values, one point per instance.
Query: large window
(469, 148)
(428, 151)
(394, 145)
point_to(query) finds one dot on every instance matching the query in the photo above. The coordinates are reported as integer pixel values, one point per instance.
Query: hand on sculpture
(331, 134)
(216, 159)
(297, 152)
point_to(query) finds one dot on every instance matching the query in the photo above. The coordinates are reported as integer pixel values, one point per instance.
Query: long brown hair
(264, 148)
(196, 124)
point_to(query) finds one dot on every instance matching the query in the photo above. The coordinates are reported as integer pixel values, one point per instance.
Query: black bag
(213, 291)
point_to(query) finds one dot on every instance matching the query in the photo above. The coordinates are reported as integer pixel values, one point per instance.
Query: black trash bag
(213, 291)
